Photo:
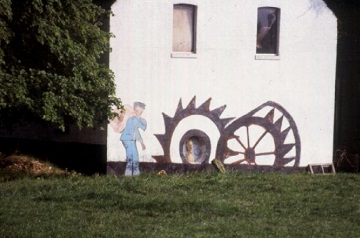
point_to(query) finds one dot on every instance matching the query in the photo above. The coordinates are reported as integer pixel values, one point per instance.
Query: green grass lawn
(235, 204)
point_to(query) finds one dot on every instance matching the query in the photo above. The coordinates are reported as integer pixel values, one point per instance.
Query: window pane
(183, 28)
(267, 30)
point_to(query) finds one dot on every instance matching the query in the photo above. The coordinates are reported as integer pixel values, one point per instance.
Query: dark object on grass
(218, 165)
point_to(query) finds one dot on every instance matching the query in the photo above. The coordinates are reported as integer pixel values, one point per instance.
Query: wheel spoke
(248, 137)
(260, 138)
(238, 161)
(265, 153)
(242, 145)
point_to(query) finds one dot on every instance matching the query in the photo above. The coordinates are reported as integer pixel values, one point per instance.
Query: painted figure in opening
(189, 151)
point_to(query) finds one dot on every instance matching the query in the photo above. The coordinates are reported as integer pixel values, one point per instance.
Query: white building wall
(225, 69)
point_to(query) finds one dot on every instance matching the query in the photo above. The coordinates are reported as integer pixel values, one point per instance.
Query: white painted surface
(302, 80)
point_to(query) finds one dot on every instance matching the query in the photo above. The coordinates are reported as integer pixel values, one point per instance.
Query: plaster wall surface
(301, 79)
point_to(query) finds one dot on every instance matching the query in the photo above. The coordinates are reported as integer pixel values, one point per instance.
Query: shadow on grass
(87, 159)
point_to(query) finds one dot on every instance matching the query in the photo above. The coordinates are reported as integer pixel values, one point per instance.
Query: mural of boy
(128, 125)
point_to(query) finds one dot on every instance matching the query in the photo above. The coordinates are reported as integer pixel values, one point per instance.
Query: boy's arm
(141, 124)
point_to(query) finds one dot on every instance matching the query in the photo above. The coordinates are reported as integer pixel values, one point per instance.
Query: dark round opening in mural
(195, 147)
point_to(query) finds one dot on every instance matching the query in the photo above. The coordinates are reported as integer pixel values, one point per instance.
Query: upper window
(267, 39)
(184, 25)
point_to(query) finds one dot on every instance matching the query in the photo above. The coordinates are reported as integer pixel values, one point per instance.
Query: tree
(49, 63)
(347, 123)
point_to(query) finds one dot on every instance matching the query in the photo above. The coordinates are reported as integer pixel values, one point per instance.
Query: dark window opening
(267, 39)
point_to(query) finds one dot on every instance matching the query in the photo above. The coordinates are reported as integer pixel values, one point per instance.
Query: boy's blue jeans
(132, 158)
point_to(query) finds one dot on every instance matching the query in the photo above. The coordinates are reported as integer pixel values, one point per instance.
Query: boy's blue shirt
(131, 131)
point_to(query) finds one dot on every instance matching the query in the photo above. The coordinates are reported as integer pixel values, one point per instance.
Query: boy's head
(139, 107)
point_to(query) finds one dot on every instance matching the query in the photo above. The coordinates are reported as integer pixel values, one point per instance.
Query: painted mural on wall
(265, 135)
(128, 124)
(241, 58)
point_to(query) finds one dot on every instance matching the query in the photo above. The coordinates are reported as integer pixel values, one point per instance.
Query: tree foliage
(49, 63)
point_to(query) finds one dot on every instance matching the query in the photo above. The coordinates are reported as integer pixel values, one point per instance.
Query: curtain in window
(267, 32)
(183, 28)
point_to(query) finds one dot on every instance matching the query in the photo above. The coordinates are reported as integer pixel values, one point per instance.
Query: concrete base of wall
(118, 168)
